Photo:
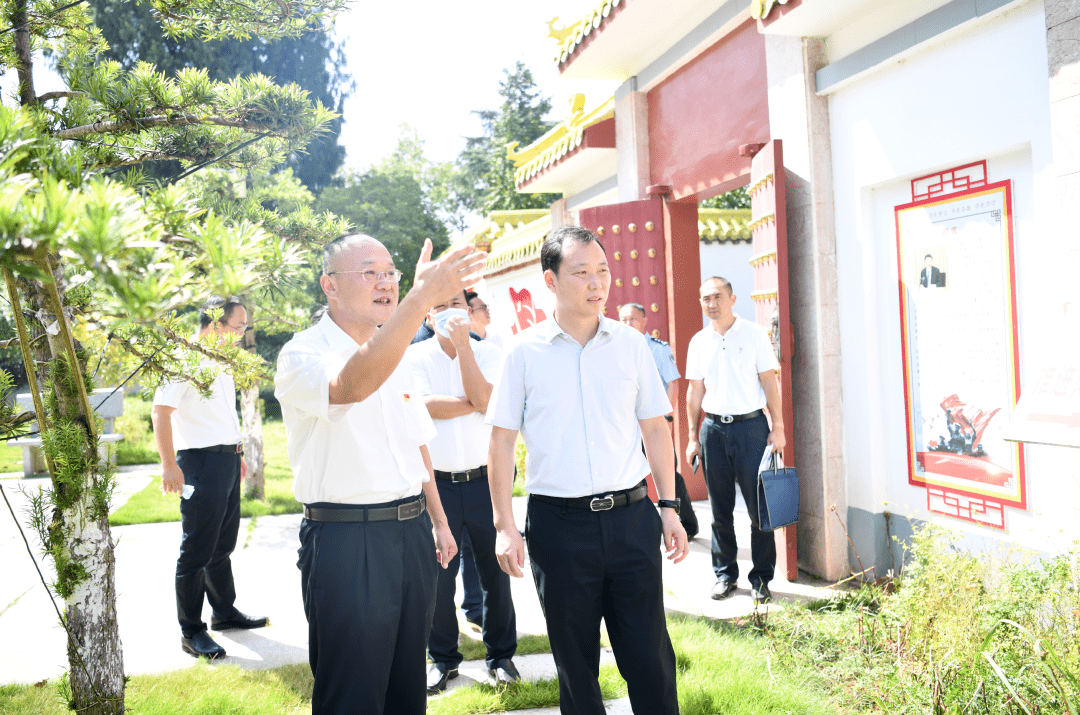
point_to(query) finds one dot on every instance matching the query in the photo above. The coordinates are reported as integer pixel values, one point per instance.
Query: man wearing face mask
(454, 373)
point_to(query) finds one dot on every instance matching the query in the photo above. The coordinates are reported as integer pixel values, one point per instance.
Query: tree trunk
(97, 667)
(251, 418)
(78, 537)
(251, 415)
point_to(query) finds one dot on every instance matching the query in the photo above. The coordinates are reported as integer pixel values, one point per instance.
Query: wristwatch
(669, 504)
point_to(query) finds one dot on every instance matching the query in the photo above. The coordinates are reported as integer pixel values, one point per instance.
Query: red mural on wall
(524, 310)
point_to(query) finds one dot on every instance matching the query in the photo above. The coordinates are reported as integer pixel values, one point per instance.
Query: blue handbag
(778, 496)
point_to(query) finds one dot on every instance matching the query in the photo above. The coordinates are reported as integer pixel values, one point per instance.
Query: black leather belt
(226, 448)
(599, 502)
(728, 419)
(467, 476)
(401, 512)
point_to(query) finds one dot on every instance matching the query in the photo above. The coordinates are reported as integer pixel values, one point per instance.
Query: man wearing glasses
(207, 467)
(374, 532)
(480, 318)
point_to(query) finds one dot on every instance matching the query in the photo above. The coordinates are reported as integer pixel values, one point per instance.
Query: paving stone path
(267, 584)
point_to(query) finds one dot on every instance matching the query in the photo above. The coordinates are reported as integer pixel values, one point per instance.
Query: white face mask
(440, 319)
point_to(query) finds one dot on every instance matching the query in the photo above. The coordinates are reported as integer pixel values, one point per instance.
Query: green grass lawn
(10, 458)
(721, 669)
(151, 506)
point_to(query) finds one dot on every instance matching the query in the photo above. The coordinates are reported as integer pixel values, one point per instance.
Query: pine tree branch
(143, 158)
(59, 95)
(177, 120)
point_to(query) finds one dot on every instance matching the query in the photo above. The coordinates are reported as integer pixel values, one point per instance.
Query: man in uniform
(453, 374)
(633, 314)
(731, 368)
(208, 457)
(584, 391)
(357, 429)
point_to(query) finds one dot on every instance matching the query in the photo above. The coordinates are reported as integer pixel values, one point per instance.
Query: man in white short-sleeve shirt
(731, 370)
(357, 428)
(200, 445)
(584, 392)
(454, 374)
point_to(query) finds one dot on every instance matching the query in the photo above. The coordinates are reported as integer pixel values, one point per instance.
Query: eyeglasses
(370, 276)
(479, 307)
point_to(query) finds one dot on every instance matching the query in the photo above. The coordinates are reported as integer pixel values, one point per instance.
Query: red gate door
(652, 249)
(771, 306)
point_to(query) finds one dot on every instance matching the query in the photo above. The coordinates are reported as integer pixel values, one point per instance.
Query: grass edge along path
(722, 669)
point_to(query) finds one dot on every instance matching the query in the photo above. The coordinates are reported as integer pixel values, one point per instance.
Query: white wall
(731, 261)
(982, 95)
(496, 291)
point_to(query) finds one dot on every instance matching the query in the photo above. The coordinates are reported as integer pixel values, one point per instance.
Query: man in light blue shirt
(584, 393)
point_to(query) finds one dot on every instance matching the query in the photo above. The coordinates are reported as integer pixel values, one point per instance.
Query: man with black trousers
(633, 314)
(453, 374)
(208, 458)
(584, 392)
(374, 532)
(731, 370)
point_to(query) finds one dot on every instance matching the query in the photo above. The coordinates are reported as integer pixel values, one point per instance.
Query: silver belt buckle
(457, 477)
(410, 510)
(602, 503)
(727, 419)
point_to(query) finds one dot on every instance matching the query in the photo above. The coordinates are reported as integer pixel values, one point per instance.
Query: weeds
(958, 634)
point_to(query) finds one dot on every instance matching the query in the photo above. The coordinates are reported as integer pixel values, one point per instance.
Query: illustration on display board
(524, 311)
(960, 345)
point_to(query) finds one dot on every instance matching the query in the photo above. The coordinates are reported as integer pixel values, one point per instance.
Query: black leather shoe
(236, 620)
(722, 589)
(504, 671)
(761, 593)
(438, 675)
(202, 644)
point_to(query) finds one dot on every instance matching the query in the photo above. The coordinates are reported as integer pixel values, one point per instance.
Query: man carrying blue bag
(731, 370)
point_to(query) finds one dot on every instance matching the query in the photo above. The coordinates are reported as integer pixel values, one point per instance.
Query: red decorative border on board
(950, 181)
(979, 511)
(1020, 466)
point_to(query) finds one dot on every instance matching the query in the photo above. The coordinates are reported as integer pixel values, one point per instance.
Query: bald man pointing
(374, 531)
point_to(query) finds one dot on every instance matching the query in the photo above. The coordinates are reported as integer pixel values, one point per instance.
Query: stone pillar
(632, 143)
(560, 215)
(801, 119)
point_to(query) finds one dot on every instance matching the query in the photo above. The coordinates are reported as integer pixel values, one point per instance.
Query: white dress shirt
(578, 408)
(462, 442)
(361, 453)
(729, 364)
(199, 422)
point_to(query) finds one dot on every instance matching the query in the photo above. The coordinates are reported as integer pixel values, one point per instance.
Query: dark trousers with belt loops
(731, 454)
(210, 520)
(369, 593)
(592, 565)
(468, 509)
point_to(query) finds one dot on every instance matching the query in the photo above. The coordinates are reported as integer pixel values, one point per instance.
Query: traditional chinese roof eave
(579, 132)
(724, 225)
(496, 225)
(521, 245)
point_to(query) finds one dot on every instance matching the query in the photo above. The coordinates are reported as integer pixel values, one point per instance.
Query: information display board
(961, 352)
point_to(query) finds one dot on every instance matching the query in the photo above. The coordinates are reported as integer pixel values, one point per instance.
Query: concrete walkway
(33, 643)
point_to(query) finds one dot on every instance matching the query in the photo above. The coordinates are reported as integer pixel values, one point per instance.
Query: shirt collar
(337, 338)
(553, 330)
(733, 329)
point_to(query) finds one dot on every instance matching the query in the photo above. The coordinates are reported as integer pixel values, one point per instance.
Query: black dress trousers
(731, 454)
(592, 565)
(369, 594)
(210, 520)
(468, 510)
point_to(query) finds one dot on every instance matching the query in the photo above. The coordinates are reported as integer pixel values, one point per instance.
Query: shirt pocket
(620, 398)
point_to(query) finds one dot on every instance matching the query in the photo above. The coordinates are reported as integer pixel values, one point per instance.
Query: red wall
(700, 116)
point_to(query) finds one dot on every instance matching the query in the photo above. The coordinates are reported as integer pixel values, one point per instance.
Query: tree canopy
(311, 60)
(486, 179)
